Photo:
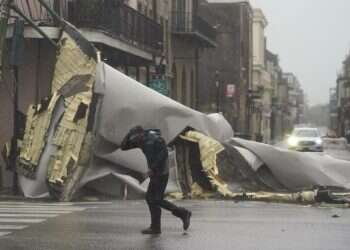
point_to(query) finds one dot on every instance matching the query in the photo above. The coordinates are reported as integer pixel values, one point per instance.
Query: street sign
(230, 90)
(160, 86)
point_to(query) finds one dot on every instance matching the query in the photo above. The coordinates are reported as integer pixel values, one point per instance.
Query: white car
(305, 139)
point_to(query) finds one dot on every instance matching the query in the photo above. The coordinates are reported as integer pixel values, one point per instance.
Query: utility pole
(4, 17)
(16, 54)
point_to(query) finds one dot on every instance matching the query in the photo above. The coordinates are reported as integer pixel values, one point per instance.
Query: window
(306, 133)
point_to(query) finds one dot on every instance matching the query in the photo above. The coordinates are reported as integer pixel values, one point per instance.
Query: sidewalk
(6, 194)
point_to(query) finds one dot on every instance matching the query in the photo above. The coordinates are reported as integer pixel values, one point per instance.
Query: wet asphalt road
(215, 225)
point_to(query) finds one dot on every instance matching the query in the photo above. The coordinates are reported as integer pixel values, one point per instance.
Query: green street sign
(161, 86)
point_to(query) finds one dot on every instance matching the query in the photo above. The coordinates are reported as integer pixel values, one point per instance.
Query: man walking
(155, 149)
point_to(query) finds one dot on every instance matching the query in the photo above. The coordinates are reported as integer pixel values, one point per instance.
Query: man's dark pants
(155, 201)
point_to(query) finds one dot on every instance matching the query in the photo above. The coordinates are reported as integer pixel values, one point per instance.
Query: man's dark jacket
(154, 148)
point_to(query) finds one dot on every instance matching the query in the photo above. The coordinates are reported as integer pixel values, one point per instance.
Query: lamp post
(217, 85)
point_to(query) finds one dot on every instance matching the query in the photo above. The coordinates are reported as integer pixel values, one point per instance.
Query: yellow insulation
(209, 149)
(70, 132)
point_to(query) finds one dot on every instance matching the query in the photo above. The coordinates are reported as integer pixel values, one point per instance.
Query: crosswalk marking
(12, 227)
(4, 233)
(33, 211)
(44, 208)
(56, 204)
(16, 220)
(16, 216)
(29, 215)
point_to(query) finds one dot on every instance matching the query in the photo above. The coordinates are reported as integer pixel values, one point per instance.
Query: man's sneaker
(151, 231)
(186, 220)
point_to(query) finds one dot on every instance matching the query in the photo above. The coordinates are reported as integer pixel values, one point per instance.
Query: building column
(148, 77)
(137, 73)
(196, 78)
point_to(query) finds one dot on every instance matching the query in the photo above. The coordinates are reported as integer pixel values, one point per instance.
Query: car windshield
(306, 133)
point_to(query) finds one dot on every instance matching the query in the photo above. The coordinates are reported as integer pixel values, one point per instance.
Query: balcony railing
(35, 11)
(187, 23)
(118, 20)
(345, 102)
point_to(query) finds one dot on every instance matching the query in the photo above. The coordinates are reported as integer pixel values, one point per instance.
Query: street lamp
(217, 84)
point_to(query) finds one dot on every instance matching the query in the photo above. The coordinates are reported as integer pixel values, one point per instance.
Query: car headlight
(319, 141)
(293, 142)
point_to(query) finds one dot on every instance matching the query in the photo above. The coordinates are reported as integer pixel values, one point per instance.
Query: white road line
(16, 220)
(33, 211)
(45, 208)
(20, 215)
(29, 215)
(12, 227)
(58, 203)
(4, 233)
(35, 203)
(92, 203)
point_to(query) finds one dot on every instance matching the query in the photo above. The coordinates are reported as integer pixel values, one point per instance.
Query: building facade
(191, 35)
(130, 39)
(283, 122)
(294, 97)
(129, 34)
(302, 106)
(262, 85)
(343, 98)
(226, 72)
(333, 110)
(277, 114)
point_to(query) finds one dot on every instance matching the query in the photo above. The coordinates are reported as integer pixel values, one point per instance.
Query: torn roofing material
(55, 134)
(72, 140)
(300, 170)
(232, 165)
(125, 98)
(124, 103)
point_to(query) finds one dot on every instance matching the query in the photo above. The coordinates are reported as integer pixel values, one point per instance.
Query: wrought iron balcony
(186, 23)
(345, 102)
(119, 21)
(35, 11)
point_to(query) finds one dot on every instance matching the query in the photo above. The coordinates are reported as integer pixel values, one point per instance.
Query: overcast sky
(311, 37)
